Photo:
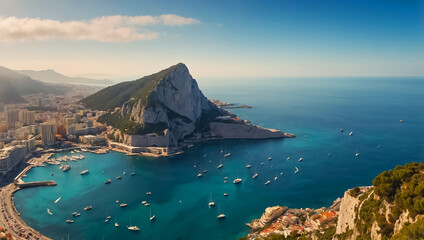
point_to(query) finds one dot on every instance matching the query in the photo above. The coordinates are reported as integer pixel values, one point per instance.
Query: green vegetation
(125, 125)
(411, 231)
(354, 192)
(117, 95)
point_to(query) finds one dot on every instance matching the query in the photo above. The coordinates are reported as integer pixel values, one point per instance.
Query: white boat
(148, 193)
(124, 173)
(88, 208)
(133, 228)
(77, 215)
(118, 177)
(84, 172)
(341, 130)
(281, 173)
(108, 181)
(288, 158)
(74, 213)
(199, 175)
(147, 204)
(226, 194)
(401, 121)
(267, 182)
(116, 224)
(48, 211)
(152, 217)
(205, 171)
(262, 163)
(211, 203)
(275, 179)
(356, 154)
(270, 158)
(57, 200)
(220, 166)
(221, 150)
(108, 217)
(132, 173)
(351, 133)
(190, 146)
(255, 175)
(107, 220)
(204, 155)
(248, 166)
(123, 205)
(297, 170)
(237, 180)
(143, 202)
(227, 155)
(300, 159)
(220, 215)
(69, 221)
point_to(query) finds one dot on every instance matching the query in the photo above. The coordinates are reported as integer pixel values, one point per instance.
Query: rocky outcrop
(347, 213)
(171, 105)
(270, 214)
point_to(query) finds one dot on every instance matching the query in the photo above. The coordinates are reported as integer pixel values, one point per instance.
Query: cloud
(103, 29)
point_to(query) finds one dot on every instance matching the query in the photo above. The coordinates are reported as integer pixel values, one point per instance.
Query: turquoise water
(318, 108)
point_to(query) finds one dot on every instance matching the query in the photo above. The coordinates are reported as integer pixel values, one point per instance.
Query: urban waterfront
(313, 109)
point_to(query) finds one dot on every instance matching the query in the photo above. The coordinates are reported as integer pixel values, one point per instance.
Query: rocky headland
(167, 110)
(393, 208)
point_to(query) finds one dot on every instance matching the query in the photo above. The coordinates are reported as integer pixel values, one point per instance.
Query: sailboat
(83, 172)
(57, 200)
(220, 163)
(227, 155)
(221, 150)
(116, 223)
(133, 228)
(132, 172)
(211, 203)
(220, 215)
(152, 217)
(48, 211)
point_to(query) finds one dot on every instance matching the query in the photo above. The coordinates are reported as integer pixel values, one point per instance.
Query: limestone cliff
(167, 108)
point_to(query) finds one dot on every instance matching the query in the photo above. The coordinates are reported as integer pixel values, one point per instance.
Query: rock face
(270, 214)
(168, 107)
(347, 213)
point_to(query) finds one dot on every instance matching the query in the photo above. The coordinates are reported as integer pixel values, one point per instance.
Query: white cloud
(104, 29)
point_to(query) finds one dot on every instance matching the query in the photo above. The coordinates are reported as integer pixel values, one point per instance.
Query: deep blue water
(318, 108)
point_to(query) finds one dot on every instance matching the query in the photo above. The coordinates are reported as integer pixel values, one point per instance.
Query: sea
(314, 109)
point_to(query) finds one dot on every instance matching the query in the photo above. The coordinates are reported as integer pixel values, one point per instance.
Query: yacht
(57, 200)
(211, 203)
(88, 208)
(356, 154)
(77, 215)
(108, 217)
(123, 205)
(297, 170)
(152, 217)
(199, 175)
(262, 163)
(118, 177)
(116, 223)
(205, 171)
(132, 173)
(220, 215)
(237, 180)
(84, 172)
(351, 133)
(108, 181)
(48, 211)
(124, 173)
(227, 155)
(70, 221)
(275, 179)
(341, 130)
(267, 182)
(288, 158)
(143, 202)
(255, 175)
(248, 166)
(148, 193)
(270, 158)
(226, 194)
(147, 204)
(281, 173)
(106, 220)
(300, 159)
(65, 168)
(133, 228)
(220, 166)
(74, 213)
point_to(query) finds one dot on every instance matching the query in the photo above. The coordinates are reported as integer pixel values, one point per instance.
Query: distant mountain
(50, 76)
(14, 85)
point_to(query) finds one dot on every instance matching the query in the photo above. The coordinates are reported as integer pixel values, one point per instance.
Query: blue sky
(219, 39)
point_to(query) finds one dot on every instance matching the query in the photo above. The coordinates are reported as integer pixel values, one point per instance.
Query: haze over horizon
(219, 39)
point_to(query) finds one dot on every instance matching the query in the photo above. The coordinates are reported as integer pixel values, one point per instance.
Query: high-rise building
(10, 157)
(48, 134)
(11, 118)
(26, 117)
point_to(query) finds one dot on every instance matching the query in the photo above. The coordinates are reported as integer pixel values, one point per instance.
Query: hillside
(14, 85)
(393, 208)
(117, 95)
(50, 76)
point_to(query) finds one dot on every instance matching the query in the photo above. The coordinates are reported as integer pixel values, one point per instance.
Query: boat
(221, 150)
(220, 215)
(225, 178)
(262, 163)
(74, 213)
(123, 205)
(281, 173)
(88, 208)
(65, 168)
(220, 166)
(204, 155)
(300, 159)
(255, 175)
(57, 200)
(108, 181)
(356, 154)
(106, 220)
(269, 158)
(116, 224)
(132, 173)
(190, 146)
(124, 173)
(297, 170)
(267, 182)
(152, 217)
(84, 172)
(148, 193)
(351, 133)
(133, 228)
(211, 203)
(199, 175)
(118, 177)
(226, 194)
(48, 211)
(205, 171)
(288, 158)
(147, 204)
(329, 154)
(237, 180)
(275, 179)
(77, 215)
(117, 201)
(108, 217)
(248, 166)
(401, 121)
(306, 136)
(227, 155)
(70, 221)
(341, 130)
(143, 202)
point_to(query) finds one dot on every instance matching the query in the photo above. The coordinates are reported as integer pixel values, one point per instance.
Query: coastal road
(9, 217)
